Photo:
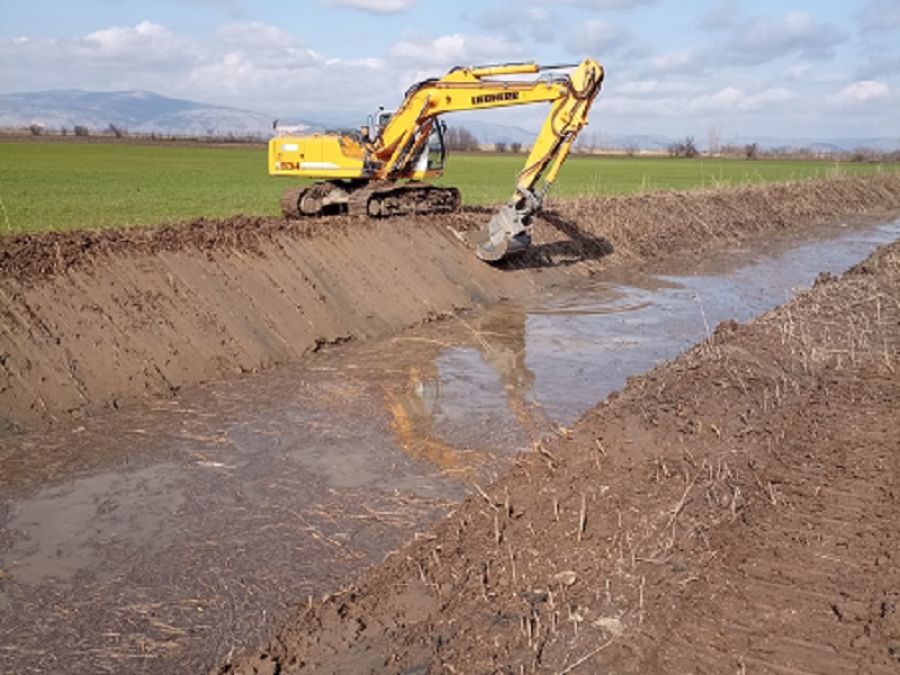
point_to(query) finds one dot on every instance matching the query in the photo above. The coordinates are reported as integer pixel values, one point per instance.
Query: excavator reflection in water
(415, 410)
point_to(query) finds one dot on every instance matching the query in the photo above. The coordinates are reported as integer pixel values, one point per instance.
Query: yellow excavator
(377, 170)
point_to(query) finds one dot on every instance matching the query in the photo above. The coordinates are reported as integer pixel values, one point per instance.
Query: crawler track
(380, 199)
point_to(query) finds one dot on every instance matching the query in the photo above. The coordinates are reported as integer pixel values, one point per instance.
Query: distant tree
(631, 148)
(80, 130)
(686, 148)
(460, 139)
(515, 147)
(500, 146)
(690, 148)
(36, 129)
(115, 130)
(64, 131)
(751, 151)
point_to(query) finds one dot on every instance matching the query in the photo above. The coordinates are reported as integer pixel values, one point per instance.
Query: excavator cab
(430, 162)
(377, 169)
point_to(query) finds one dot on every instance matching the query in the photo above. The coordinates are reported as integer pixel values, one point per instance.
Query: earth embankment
(98, 318)
(733, 510)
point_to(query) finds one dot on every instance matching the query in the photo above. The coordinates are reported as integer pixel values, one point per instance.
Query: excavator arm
(402, 140)
(361, 174)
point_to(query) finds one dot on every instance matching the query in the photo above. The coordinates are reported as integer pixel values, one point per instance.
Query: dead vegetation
(733, 509)
(170, 305)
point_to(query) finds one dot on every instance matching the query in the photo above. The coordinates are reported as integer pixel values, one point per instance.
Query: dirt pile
(734, 510)
(99, 318)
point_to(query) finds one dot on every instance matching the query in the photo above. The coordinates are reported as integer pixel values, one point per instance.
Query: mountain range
(147, 112)
(136, 111)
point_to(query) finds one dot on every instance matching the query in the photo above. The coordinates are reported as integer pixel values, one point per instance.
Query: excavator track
(385, 199)
(325, 198)
(290, 202)
(377, 199)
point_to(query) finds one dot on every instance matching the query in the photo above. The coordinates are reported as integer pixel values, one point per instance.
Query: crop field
(71, 185)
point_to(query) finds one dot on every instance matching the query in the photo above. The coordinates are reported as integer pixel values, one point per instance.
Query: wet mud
(733, 510)
(93, 320)
(178, 533)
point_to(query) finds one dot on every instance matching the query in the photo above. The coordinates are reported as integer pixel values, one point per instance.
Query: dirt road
(101, 319)
(734, 510)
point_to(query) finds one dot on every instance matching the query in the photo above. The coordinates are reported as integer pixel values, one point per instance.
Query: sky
(734, 68)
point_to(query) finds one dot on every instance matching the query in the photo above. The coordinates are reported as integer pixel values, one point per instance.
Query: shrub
(751, 151)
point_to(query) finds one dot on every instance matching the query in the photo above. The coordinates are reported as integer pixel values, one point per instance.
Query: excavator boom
(362, 170)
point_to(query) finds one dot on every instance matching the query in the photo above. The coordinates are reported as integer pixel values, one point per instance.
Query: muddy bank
(95, 319)
(734, 510)
(182, 530)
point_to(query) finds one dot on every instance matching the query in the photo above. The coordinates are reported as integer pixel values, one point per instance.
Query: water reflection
(472, 394)
(179, 528)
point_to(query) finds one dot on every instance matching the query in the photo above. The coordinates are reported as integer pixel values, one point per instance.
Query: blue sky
(787, 68)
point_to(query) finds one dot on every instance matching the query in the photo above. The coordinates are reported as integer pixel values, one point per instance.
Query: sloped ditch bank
(101, 319)
(733, 510)
(176, 532)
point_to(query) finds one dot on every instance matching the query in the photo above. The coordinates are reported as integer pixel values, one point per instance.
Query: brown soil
(98, 318)
(732, 511)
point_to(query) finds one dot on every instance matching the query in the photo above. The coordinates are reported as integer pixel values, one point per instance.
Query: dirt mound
(99, 318)
(734, 510)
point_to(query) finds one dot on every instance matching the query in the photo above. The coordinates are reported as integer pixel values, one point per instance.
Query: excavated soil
(732, 511)
(97, 319)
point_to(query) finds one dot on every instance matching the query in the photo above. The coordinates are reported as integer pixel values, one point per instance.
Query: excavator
(378, 170)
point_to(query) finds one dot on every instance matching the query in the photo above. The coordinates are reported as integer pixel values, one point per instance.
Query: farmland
(45, 186)
(205, 424)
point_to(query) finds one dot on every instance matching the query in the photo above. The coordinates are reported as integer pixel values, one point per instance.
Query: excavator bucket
(507, 234)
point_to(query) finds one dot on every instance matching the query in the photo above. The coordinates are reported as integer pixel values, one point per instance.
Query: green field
(69, 185)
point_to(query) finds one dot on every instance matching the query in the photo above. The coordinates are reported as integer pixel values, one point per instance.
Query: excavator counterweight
(378, 170)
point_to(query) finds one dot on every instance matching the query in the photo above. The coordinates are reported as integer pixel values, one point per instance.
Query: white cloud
(683, 61)
(759, 40)
(513, 19)
(146, 41)
(881, 63)
(456, 50)
(724, 101)
(609, 4)
(255, 35)
(860, 92)
(597, 37)
(879, 15)
(651, 87)
(374, 6)
(723, 14)
(250, 65)
(798, 72)
(734, 98)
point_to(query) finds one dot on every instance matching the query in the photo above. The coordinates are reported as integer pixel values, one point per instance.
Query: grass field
(70, 185)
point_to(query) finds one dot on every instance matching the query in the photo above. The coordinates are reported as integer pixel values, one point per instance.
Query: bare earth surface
(100, 319)
(732, 511)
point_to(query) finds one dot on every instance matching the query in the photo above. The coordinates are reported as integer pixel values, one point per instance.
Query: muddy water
(159, 539)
